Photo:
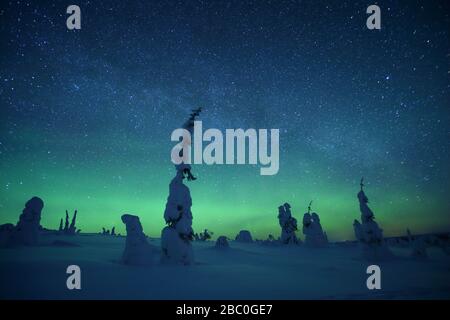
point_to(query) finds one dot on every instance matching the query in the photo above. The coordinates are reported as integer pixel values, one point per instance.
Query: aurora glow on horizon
(86, 116)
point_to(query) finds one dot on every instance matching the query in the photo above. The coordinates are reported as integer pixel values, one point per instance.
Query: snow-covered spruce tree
(370, 234)
(137, 250)
(288, 224)
(358, 230)
(177, 236)
(26, 232)
(320, 235)
(312, 229)
(244, 236)
(222, 243)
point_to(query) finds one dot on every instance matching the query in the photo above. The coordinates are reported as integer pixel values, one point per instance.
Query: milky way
(86, 115)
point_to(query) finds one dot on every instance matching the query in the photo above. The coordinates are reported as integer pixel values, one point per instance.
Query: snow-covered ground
(244, 271)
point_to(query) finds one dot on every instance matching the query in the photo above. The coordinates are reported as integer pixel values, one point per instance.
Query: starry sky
(86, 115)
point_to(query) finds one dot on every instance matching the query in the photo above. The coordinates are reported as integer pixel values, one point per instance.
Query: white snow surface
(245, 271)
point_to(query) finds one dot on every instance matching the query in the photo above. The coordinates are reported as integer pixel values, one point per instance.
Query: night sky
(86, 115)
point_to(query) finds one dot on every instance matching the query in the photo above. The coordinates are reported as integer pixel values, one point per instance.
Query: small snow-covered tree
(312, 229)
(137, 249)
(222, 243)
(27, 230)
(370, 234)
(244, 236)
(288, 224)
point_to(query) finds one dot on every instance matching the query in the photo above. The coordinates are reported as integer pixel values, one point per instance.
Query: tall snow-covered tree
(177, 235)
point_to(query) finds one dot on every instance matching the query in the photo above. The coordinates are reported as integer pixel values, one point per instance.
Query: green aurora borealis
(226, 199)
